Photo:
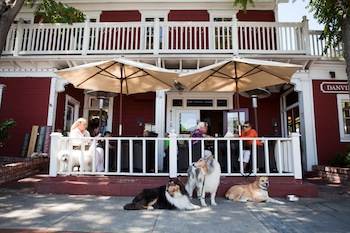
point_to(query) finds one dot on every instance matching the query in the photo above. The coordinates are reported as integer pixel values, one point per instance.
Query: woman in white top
(78, 130)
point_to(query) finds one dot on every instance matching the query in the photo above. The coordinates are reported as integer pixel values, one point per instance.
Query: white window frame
(343, 136)
(76, 103)
(172, 111)
(2, 87)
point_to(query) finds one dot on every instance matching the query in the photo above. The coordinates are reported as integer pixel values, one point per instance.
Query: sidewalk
(50, 213)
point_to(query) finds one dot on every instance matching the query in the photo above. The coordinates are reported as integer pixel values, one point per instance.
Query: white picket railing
(144, 156)
(165, 38)
(318, 46)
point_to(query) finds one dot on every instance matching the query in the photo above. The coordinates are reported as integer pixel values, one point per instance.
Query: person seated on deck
(248, 132)
(200, 132)
(79, 130)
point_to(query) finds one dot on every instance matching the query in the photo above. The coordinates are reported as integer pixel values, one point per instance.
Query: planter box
(335, 175)
(12, 169)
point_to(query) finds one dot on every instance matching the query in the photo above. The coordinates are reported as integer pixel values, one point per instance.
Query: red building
(180, 36)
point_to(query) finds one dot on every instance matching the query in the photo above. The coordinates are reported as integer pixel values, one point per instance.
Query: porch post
(160, 124)
(2, 87)
(296, 153)
(172, 155)
(54, 149)
(306, 36)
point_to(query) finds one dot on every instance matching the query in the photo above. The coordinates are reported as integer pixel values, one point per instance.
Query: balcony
(166, 38)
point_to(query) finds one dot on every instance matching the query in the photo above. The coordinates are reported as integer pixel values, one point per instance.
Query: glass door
(186, 121)
(231, 120)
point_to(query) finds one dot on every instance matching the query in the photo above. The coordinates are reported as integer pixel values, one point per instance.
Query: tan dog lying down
(255, 192)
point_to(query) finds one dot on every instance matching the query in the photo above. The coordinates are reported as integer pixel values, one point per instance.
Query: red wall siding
(120, 16)
(25, 100)
(77, 94)
(138, 107)
(188, 15)
(327, 125)
(256, 15)
(268, 113)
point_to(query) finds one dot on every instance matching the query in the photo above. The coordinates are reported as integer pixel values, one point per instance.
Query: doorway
(214, 118)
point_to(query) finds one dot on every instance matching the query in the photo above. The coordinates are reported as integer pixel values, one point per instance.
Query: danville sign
(335, 87)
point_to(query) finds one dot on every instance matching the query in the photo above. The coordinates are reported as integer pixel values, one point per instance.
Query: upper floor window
(222, 19)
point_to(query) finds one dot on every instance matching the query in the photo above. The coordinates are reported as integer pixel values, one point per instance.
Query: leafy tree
(50, 11)
(5, 126)
(335, 16)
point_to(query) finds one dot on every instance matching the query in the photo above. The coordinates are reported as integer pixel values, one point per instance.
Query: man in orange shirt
(248, 132)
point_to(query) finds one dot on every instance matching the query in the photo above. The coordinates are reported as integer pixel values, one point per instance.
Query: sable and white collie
(170, 196)
(204, 175)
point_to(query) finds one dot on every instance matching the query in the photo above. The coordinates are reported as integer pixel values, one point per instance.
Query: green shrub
(341, 160)
(5, 126)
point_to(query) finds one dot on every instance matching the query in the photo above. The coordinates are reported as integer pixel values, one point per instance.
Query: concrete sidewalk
(64, 213)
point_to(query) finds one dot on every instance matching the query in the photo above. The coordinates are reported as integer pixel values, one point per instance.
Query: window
(188, 122)
(221, 103)
(71, 113)
(344, 117)
(199, 102)
(177, 102)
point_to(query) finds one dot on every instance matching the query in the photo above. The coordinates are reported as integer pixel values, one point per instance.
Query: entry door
(186, 121)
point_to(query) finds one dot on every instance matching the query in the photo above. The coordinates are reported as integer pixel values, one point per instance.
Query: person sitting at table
(248, 132)
(200, 132)
(79, 130)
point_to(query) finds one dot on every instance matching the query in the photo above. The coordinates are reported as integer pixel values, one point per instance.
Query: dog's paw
(150, 208)
(195, 207)
(214, 204)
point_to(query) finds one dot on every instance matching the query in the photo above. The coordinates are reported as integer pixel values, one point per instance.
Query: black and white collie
(204, 176)
(170, 196)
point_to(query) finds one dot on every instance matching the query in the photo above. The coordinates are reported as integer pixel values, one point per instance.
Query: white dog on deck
(204, 175)
(67, 160)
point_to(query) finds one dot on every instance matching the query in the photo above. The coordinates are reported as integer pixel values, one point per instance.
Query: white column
(54, 149)
(160, 124)
(296, 153)
(306, 36)
(172, 155)
(303, 85)
(2, 87)
(51, 112)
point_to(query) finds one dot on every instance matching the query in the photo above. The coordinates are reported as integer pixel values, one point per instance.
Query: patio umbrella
(121, 76)
(238, 75)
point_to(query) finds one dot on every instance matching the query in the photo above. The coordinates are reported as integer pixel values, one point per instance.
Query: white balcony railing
(165, 38)
(140, 156)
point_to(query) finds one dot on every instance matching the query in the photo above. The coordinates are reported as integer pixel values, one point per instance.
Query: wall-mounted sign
(335, 87)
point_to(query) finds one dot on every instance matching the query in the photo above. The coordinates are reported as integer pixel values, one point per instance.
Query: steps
(131, 185)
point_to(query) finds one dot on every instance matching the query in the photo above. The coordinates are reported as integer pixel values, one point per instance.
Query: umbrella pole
(237, 101)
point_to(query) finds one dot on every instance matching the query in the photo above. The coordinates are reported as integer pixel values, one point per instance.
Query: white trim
(51, 112)
(303, 85)
(340, 98)
(76, 103)
(230, 13)
(171, 111)
(154, 14)
(2, 87)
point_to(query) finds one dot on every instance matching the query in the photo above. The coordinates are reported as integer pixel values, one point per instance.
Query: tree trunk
(6, 19)
(346, 44)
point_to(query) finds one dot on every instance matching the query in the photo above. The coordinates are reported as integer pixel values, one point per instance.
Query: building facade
(181, 36)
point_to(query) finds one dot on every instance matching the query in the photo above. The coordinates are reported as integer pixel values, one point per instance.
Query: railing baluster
(228, 141)
(106, 155)
(119, 155)
(202, 147)
(144, 156)
(156, 142)
(241, 168)
(189, 152)
(267, 158)
(216, 149)
(93, 156)
(254, 157)
(131, 157)
(279, 157)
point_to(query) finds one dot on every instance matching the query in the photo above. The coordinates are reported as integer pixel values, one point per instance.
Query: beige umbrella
(119, 76)
(238, 75)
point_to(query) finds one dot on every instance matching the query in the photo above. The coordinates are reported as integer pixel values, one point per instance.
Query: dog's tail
(133, 206)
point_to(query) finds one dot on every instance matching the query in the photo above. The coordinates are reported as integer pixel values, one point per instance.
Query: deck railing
(144, 156)
(164, 38)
